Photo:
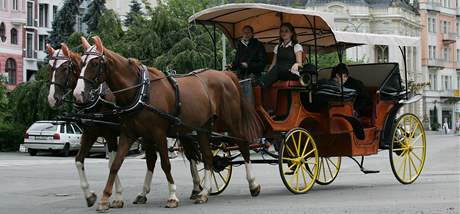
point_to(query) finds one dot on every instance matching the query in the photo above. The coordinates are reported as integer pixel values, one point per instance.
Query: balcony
(436, 6)
(449, 38)
(436, 63)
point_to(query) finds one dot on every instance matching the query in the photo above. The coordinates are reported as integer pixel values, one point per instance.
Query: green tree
(94, 12)
(109, 29)
(135, 9)
(64, 23)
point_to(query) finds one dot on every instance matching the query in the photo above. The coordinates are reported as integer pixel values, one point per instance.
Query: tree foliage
(135, 9)
(95, 10)
(64, 23)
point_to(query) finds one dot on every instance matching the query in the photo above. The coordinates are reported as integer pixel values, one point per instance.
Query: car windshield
(43, 127)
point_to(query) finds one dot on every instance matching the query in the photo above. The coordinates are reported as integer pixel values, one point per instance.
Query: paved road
(35, 184)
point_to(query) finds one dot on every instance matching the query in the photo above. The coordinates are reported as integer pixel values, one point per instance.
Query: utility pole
(224, 51)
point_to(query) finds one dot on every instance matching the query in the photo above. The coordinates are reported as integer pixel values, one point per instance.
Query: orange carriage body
(334, 135)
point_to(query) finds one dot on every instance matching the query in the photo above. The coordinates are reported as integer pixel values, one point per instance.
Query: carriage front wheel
(298, 161)
(221, 173)
(408, 148)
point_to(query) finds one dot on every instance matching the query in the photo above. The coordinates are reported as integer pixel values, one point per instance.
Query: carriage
(308, 143)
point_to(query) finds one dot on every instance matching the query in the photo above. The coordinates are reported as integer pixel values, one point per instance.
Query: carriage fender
(386, 135)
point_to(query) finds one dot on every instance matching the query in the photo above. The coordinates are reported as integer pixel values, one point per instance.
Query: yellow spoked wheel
(408, 149)
(221, 173)
(298, 161)
(328, 169)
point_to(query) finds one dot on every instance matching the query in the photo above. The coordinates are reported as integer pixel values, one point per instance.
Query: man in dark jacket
(250, 55)
(363, 102)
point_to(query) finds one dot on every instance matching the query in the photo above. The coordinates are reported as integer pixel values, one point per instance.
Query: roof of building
(371, 3)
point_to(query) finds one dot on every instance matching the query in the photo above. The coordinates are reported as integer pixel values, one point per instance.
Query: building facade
(398, 17)
(441, 59)
(122, 7)
(12, 21)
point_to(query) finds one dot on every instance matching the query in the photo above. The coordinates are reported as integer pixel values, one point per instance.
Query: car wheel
(66, 150)
(32, 152)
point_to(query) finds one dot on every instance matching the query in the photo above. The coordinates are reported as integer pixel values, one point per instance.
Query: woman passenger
(287, 58)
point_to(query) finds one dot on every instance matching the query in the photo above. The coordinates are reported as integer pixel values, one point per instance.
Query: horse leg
(162, 143)
(254, 188)
(192, 154)
(118, 198)
(86, 142)
(207, 159)
(123, 148)
(151, 159)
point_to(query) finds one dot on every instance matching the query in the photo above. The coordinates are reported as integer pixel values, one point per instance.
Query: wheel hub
(220, 163)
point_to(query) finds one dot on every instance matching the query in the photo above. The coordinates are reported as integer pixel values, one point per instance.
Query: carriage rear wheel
(408, 149)
(221, 173)
(298, 161)
(329, 168)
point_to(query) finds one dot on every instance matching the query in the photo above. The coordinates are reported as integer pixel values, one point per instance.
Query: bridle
(88, 56)
(68, 70)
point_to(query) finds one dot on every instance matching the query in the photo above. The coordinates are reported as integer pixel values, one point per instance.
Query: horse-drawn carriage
(206, 106)
(309, 142)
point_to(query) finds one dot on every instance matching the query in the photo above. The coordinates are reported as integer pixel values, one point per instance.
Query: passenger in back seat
(363, 100)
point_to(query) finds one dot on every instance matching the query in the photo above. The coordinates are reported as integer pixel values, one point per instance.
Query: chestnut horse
(63, 72)
(204, 95)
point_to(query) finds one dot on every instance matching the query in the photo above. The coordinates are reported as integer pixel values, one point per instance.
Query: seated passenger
(250, 55)
(363, 100)
(287, 58)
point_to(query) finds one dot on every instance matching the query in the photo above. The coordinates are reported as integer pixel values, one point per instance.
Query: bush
(435, 126)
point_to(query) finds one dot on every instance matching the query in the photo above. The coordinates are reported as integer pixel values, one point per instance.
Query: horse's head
(93, 72)
(63, 71)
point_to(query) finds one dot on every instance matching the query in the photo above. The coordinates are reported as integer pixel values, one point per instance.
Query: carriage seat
(330, 91)
(277, 98)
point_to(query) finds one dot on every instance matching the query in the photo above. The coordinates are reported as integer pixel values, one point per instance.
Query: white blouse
(297, 47)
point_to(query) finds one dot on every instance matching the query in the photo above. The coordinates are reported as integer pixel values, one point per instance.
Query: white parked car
(53, 136)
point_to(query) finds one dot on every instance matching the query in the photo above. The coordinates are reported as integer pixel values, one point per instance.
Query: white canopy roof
(266, 20)
(375, 39)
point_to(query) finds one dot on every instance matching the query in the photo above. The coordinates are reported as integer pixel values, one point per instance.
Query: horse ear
(50, 49)
(85, 43)
(98, 42)
(65, 49)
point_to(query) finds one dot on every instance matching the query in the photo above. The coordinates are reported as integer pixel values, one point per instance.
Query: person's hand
(295, 69)
(244, 65)
(228, 67)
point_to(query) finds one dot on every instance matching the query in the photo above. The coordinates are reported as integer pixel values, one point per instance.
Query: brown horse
(204, 96)
(63, 72)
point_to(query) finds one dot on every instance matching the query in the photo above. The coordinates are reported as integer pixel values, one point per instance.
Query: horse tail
(251, 126)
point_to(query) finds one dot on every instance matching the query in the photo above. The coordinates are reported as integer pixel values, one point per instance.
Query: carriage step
(368, 171)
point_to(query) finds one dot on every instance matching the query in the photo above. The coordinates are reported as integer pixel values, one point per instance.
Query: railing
(433, 5)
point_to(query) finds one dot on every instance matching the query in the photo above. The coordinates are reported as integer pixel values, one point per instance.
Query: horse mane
(112, 55)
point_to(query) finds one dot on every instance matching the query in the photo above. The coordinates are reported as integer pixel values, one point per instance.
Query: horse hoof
(201, 199)
(117, 204)
(140, 199)
(103, 207)
(172, 203)
(194, 195)
(91, 200)
(256, 191)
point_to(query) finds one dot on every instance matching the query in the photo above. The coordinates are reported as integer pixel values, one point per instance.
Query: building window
(431, 52)
(445, 28)
(431, 25)
(2, 32)
(30, 13)
(14, 36)
(42, 42)
(457, 25)
(29, 50)
(43, 15)
(10, 69)
(55, 11)
(381, 53)
(446, 54)
(458, 56)
(433, 81)
(79, 24)
(446, 82)
(15, 5)
(458, 81)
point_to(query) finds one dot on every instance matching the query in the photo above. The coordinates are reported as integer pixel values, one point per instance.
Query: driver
(250, 55)
(363, 100)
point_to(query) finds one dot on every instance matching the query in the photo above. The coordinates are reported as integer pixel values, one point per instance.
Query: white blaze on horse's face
(80, 88)
(55, 64)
